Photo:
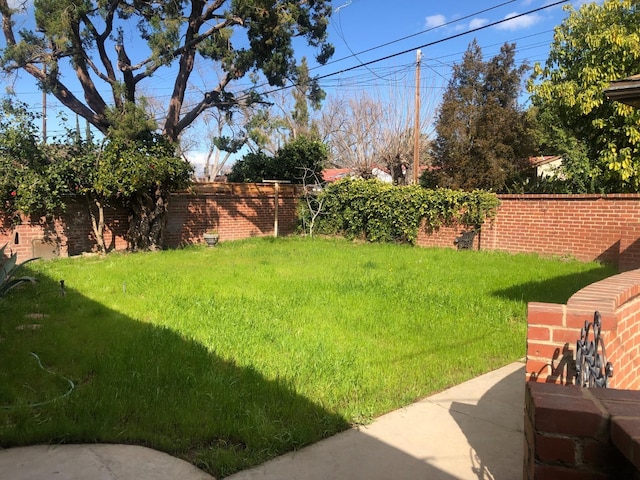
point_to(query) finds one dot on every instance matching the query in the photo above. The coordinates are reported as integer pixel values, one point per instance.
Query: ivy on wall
(380, 212)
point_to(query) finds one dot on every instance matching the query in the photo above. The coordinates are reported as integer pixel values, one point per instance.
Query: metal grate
(592, 368)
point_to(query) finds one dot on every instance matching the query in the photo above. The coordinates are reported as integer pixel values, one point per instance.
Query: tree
(254, 167)
(141, 171)
(222, 136)
(297, 160)
(483, 137)
(32, 182)
(374, 130)
(138, 171)
(288, 116)
(598, 139)
(351, 127)
(88, 38)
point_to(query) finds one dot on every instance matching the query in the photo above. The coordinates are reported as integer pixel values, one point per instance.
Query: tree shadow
(493, 428)
(138, 383)
(555, 290)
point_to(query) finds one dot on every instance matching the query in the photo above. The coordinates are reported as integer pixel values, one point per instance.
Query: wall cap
(607, 295)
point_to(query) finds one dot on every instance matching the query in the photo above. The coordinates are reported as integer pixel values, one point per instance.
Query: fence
(236, 211)
(587, 227)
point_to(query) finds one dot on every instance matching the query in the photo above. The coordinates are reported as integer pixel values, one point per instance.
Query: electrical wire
(413, 34)
(245, 92)
(404, 52)
(435, 42)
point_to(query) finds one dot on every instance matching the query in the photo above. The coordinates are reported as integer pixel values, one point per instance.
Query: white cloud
(20, 5)
(198, 160)
(477, 23)
(435, 21)
(577, 4)
(520, 22)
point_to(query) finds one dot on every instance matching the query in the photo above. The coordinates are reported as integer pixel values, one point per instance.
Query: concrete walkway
(471, 431)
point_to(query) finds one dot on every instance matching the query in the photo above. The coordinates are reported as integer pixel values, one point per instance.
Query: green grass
(229, 356)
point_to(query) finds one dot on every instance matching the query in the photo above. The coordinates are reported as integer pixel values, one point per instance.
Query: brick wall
(587, 227)
(571, 432)
(576, 433)
(237, 211)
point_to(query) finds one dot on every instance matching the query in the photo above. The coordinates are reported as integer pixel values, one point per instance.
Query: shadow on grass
(141, 384)
(137, 383)
(557, 289)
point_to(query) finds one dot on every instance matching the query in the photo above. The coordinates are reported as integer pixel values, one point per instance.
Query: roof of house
(625, 90)
(543, 160)
(334, 174)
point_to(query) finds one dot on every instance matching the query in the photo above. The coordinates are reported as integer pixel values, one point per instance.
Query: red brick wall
(554, 329)
(587, 227)
(571, 432)
(576, 433)
(236, 210)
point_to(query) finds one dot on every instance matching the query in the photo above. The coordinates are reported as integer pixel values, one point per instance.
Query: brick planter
(579, 433)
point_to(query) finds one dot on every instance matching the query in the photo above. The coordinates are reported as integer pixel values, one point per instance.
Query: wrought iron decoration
(592, 368)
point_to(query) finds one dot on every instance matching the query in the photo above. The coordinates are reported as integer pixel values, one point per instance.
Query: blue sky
(404, 25)
(364, 31)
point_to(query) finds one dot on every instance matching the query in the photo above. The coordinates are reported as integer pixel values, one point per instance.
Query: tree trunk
(147, 219)
(97, 224)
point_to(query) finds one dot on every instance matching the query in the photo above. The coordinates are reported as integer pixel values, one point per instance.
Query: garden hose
(39, 404)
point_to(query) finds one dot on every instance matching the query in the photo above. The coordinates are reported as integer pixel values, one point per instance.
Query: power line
(451, 22)
(435, 42)
(387, 57)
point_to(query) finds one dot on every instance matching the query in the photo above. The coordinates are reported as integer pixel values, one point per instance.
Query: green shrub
(300, 158)
(377, 211)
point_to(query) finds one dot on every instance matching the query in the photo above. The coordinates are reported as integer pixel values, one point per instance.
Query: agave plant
(8, 268)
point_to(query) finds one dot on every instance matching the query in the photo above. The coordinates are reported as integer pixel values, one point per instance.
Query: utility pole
(416, 127)
(44, 109)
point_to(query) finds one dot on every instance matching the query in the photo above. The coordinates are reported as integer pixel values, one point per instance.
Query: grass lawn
(231, 355)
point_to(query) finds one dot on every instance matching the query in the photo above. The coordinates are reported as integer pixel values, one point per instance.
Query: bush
(377, 211)
(300, 157)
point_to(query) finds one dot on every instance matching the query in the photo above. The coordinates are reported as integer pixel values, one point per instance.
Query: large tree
(137, 169)
(483, 136)
(599, 139)
(88, 38)
(115, 46)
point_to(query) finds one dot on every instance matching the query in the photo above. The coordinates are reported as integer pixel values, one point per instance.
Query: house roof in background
(334, 174)
(625, 90)
(543, 160)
